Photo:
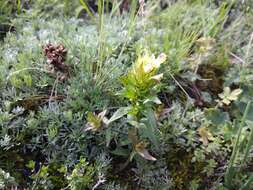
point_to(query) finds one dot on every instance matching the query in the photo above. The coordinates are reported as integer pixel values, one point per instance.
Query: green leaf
(135, 123)
(119, 114)
(119, 151)
(150, 130)
(86, 8)
(242, 106)
(132, 136)
(108, 136)
(216, 116)
(31, 164)
(153, 99)
(229, 177)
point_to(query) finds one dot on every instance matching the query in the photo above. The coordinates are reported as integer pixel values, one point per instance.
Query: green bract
(140, 85)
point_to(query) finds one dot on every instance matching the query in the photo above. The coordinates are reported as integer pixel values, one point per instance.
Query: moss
(183, 170)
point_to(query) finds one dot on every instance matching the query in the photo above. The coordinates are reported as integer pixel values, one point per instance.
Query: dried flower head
(56, 56)
(142, 8)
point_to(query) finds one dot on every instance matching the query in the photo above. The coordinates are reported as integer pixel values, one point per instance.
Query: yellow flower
(157, 78)
(151, 63)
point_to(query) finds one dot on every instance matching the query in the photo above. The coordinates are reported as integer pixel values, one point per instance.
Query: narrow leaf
(151, 131)
(119, 114)
(140, 148)
(86, 8)
(108, 136)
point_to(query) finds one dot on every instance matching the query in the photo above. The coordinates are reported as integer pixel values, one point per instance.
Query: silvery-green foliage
(153, 176)
(5, 142)
(114, 186)
(6, 180)
(180, 125)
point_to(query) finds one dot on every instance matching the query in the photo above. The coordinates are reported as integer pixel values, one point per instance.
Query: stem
(235, 149)
(19, 6)
(239, 133)
(248, 50)
(250, 142)
(180, 86)
(86, 8)
(101, 49)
